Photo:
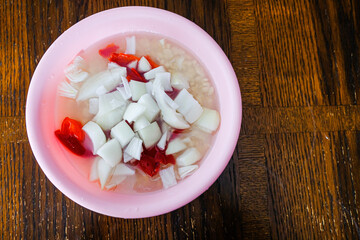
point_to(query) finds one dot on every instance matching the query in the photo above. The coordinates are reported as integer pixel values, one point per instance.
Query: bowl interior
(40, 116)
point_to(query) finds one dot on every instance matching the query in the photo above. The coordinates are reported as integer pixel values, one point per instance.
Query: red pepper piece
(173, 93)
(122, 59)
(108, 50)
(164, 159)
(72, 128)
(149, 165)
(71, 143)
(132, 74)
(152, 63)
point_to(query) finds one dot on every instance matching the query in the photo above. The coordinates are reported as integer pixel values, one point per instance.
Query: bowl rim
(154, 209)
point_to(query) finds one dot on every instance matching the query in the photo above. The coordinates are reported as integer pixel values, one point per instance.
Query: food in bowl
(140, 109)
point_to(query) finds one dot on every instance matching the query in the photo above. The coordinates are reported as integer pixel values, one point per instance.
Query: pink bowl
(40, 116)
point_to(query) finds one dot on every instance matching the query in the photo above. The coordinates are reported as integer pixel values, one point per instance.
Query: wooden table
(295, 171)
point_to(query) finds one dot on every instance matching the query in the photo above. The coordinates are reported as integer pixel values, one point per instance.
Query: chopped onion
(74, 72)
(134, 149)
(189, 157)
(118, 72)
(133, 112)
(114, 181)
(144, 65)
(130, 45)
(123, 169)
(127, 157)
(104, 172)
(141, 123)
(93, 176)
(112, 65)
(66, 90)
(93, 105)
(150, 135)
(162, 142)
(175, 146)
(108, 120)
(125, 89)
(188, 106)
(163, 79)
(111, 152)
(101, 90)
(152, 110)
(151, 74)
(149, 87)
(110, 101)
(168, 177)
(186, 171)
(179, 81)
(133, 64)
(209, 120)
(137, 89)
(123, 133)
(94, 136)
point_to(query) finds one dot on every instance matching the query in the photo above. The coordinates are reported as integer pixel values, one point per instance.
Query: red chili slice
(132, 74)
(71, 143)
(108, 50)
(72, 128)
(152, 63)
(151, 160)
(149, 165)
(122, 59)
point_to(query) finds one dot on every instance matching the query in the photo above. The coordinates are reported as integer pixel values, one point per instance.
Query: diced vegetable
(152, 110)
(112, 65)
(71, 143)
(179, 81)
(104, 172)
(124, 170)
(144, 65)
(188, 106)
(209, 120)
(114, 181)
(111, 152)
(162, 142)
(150, 134)
(93, 176)
(110, 101)
(186, 171)
(66, 90)
(189, 157)
(93, 106)
(123, 133)
(130, 45)
(122, 59)
(108, 50)
(168, 177)
(137, 89)
(134, 75)
(74, 72)
(163, 80)
(72, 128)
(109, 120)
(141, 123)
(149, 87)
(151, 74)
(127, 157)
(175, 146)
(94, 136)
(117, 73)
(133, 112)
(133, 64)
(134, 149)
(152, 63)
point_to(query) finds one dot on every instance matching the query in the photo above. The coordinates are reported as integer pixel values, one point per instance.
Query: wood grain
(295, 171)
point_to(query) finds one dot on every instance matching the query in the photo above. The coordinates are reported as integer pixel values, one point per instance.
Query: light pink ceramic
(40, 122)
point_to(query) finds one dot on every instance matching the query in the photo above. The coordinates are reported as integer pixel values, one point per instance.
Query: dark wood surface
(295, 171)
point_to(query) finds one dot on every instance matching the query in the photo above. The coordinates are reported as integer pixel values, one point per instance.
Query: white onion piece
(112, 65)
(94, 136)
(169, 101)
(163, 79)
(111, 152)
(133, 64)
(150, 134)
(93, 176)
(189, 157)
(175, 146)
(179, 81)
(109, 120)
(91, 85)
(162, 142)
(149, 87)
(125, 89)
(123, 169)
(110, 101)
(186, 171)
(168, 177)
(169, 115)
(130, 45)
(118, 72)
(141, 123)
(133, 112)
(101, 90)
(137, 89)
(104, 172)
(188, 106)
(93, 105)
(123, 133)
(134, 148)
(74, 72)
(209, 120)
(66, 90)
(144, 65)
(151, 74)
(152, 110)
(127, 157)
(114, 181)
